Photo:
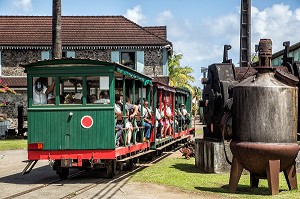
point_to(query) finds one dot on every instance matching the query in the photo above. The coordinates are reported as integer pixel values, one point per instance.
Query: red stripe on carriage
(71, 154)
(87, 154)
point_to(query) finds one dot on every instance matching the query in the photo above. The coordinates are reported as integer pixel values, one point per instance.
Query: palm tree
(180, 76)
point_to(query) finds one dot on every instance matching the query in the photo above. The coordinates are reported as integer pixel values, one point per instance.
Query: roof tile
(79, 30)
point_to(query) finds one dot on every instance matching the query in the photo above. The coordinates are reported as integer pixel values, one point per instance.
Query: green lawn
(199, 132)
(183, 174)
(12, 144)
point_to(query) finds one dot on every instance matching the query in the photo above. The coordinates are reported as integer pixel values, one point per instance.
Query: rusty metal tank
(265, 110)
(264, 122)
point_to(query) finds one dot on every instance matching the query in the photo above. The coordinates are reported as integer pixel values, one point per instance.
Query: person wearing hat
(77, 98)
(184, 111)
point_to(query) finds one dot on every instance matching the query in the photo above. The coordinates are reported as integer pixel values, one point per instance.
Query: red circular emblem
(86, 121)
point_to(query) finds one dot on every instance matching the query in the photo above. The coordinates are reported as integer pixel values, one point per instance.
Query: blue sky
(197, 28)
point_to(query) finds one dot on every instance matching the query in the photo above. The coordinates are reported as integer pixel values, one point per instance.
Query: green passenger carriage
(72, 120)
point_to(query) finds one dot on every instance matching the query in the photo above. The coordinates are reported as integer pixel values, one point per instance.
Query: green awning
(133, 74)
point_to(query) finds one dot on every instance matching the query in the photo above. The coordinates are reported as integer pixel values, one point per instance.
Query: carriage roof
(68, 62)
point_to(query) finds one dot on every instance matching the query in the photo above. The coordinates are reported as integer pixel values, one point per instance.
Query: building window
(71, 90)
(68, 54)
(128, 59)
(45, 55)
(98, 89)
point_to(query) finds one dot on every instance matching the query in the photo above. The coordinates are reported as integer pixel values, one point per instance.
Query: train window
(128, 59)
(71, 90)
(98, 90)
(43, 90)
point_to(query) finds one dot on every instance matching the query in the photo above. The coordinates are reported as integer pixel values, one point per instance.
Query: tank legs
(291, 176)
(273, 170)
(235, 174)
(254, 180)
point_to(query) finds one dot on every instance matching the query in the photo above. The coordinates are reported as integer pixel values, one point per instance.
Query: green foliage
(183, 174)
(12, 144)
(180, 76)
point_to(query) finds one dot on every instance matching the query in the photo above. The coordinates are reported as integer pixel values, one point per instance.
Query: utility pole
(245, 33)
(56, 30)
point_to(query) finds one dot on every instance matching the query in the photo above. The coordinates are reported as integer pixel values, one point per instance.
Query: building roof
(79, 31)
(15, 82)
(292, 48)
(160, 31)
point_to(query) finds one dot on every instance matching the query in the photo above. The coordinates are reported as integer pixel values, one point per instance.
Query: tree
(196, 97)
(56, 29)
(180, 76)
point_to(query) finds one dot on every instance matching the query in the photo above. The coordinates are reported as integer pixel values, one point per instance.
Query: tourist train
(96, 114)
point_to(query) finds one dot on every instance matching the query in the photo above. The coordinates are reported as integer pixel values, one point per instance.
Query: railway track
(106, 184)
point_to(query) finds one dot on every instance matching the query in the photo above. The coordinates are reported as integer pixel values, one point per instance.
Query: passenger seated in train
(103, 98)
(164, 121)
(69, 99)
(186, 116)
(131, 111)
(92, 98)
(158, 123)
(77, 98)
(147, 121)
(167, 120)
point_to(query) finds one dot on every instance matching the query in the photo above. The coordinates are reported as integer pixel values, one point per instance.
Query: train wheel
(111, 168)
(129, 165)
(63, 172)
(150, 156)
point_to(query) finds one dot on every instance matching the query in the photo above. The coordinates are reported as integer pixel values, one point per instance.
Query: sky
(198, 29)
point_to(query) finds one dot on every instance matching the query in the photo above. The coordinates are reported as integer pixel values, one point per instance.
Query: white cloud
(163, 17)
(297, 13)
(24, 5)
(202, 42)
(278, 23)
(136, 15)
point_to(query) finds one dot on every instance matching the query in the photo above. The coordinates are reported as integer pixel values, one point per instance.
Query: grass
(199, 131)
(12, 144)
(183, 174)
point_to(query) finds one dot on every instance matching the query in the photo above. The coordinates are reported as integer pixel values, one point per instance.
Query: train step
(29, 166)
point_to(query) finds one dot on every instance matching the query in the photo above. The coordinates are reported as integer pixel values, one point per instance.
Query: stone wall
(17, 56)
(153, 62)
(12, 103)
(12, 58)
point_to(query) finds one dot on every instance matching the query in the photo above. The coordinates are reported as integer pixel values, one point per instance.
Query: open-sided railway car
(72, 120)
(177, 102)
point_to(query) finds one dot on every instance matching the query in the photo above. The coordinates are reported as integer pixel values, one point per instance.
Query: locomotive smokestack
(56, 30)
(225, 54)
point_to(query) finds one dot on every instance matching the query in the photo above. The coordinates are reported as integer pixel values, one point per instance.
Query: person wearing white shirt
(40, 90)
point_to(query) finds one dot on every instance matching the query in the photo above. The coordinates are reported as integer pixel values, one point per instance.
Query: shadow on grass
(241, 190)
(186, 167)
